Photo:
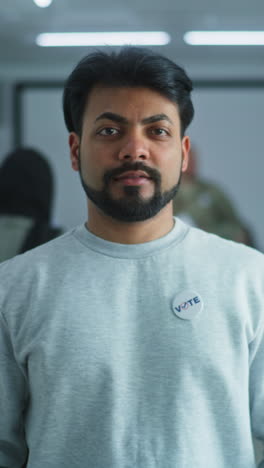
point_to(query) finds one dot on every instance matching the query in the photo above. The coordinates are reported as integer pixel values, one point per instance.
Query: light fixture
(219, 38)
(144, 38)
(43, 3)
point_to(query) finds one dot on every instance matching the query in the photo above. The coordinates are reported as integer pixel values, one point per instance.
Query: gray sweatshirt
(132, 356)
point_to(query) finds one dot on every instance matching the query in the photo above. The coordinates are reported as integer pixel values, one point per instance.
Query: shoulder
(223, 251)
(50, 253)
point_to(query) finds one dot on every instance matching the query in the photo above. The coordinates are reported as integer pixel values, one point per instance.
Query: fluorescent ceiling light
(103, 39)
(43, 3)
(224, 38)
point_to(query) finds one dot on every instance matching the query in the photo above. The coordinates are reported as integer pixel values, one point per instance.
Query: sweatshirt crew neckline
(114, 249)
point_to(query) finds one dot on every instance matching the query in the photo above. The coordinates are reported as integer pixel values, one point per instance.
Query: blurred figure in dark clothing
(26, 196)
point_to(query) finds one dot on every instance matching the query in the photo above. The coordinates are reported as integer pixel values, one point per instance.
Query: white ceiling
(21, 21)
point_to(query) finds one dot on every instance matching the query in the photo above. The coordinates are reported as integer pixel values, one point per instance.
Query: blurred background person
(204, 205)
(26, 197)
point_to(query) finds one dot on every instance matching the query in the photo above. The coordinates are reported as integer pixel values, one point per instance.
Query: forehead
(129, 102)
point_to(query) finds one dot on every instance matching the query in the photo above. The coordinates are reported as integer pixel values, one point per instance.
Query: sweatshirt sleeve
(256, 390)
(13, 392)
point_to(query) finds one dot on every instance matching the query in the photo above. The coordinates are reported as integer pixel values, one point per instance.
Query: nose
(134, 147)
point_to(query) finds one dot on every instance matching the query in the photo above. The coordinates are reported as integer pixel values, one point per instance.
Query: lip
(132, 175)
(134, 178)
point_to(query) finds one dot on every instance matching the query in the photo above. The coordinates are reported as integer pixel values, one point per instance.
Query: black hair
(130, 67)
(26, 184)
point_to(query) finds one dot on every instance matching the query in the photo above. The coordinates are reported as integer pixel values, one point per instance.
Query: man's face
(130, 155)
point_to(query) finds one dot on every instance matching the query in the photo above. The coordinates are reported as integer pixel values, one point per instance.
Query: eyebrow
(111, 116)
(156, 118)
(120, 119)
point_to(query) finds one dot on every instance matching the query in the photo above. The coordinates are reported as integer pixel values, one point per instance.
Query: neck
(129, 233)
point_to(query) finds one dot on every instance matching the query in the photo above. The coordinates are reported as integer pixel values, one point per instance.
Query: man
(133, 341)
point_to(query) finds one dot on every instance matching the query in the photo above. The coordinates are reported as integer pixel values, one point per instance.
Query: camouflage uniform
(205, 206)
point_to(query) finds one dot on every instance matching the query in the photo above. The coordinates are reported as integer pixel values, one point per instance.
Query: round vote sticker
(187, 305)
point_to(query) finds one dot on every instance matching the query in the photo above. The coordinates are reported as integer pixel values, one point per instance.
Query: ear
(74, 144)
(186, 146)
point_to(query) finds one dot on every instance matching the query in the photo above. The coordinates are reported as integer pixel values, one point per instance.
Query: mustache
(137, 166)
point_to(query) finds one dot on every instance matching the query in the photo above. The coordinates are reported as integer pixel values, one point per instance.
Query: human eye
(107, 131)
(159, 131)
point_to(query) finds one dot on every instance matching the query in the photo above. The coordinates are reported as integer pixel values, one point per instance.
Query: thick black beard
(132, 207)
